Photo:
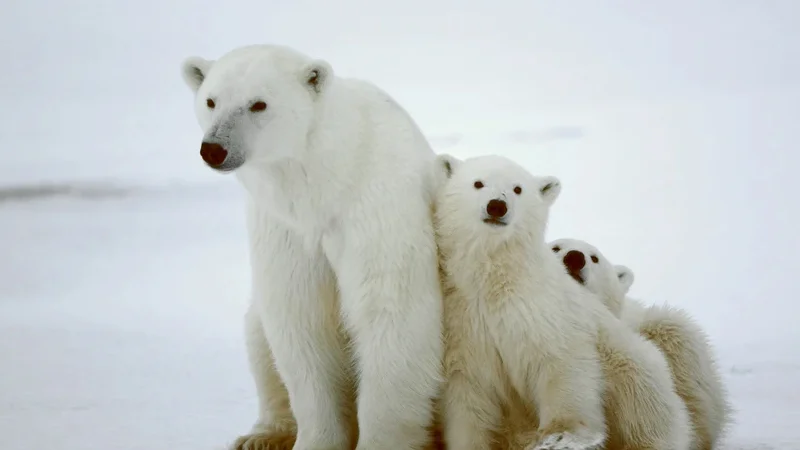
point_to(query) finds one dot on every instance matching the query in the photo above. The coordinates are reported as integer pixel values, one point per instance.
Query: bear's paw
(569, 441)
(274, 440)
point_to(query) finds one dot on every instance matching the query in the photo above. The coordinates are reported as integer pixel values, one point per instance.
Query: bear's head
(587, 266)
(256, 103)
(489, 200)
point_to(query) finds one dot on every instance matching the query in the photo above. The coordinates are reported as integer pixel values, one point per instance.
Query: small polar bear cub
(513, 320)
(682, 341)
(586, 265)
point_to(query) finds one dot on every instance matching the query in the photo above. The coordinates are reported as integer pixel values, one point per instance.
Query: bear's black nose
(213, 154)
(574, 260)
(496, 208)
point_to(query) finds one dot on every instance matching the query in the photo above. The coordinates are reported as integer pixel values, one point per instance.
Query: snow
(124, 275)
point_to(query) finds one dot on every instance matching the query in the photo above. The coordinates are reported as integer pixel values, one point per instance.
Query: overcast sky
(90, 80)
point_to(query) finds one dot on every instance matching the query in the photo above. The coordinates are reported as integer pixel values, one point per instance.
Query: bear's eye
(478, 184)
(210, 103)
(594, 259)
(258, 107)
(556, 249)
(518, 190)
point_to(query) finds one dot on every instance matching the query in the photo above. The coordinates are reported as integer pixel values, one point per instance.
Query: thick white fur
(522, 338)
(513, 326)
(683, 342)
(344, 263)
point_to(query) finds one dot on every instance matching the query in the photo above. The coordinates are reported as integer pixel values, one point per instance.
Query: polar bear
(683, 342)
(522, 338)
(342, 251)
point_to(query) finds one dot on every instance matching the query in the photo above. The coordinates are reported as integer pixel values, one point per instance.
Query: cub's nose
(496, 208)
(213, 154)
(574, 260)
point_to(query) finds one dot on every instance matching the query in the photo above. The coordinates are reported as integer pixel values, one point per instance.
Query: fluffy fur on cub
(525, 347)
(683, 342)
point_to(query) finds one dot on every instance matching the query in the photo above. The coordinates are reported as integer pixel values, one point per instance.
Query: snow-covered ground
(123, 267)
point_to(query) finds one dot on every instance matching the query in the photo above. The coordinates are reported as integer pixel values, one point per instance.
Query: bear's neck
(613, 301)
(291, 192)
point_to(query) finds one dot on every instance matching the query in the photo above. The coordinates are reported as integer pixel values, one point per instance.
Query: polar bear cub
(682, 341)
(506, 330)
(519, 331)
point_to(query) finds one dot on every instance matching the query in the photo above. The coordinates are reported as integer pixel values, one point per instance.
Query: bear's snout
(574, 260)
(213, 154)
(496, 208)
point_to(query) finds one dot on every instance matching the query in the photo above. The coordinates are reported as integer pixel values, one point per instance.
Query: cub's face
(587, 266)
(254, 104)
(491, 198)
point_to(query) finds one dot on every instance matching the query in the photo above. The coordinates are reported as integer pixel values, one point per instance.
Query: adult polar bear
(344, 263)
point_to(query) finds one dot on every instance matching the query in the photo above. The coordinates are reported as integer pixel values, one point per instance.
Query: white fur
(522, 338)
(513, 322)
(678, 336)
(342, 247)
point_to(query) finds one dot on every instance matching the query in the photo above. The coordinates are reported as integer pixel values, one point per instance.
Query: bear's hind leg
(275, 428)
(642, 401)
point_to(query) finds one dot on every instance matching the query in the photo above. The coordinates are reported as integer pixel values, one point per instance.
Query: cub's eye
(478, 185)
(258, 107)
(556, 249)
(518, 190)
(594, 259)
(210, 103)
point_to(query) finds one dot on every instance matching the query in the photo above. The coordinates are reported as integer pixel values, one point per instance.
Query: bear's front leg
(391, 300)
(569, 397)
(469, 414)
(296, 294)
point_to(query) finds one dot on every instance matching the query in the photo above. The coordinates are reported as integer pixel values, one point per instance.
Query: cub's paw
(273, 440)
(569, 441)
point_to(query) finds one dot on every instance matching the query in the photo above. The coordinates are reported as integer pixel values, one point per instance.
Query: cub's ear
(549, 189)
(194, 70)
(444, 166)
(625, 276)
(317, 75)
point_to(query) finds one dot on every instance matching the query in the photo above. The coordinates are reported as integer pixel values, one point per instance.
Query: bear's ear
(625, 276)
(446, 165)
(549, 189)
(195, 69)
(317, 75)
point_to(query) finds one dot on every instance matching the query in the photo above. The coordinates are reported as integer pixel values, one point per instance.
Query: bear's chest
(519, 329)
(303, 205)
(511, 339)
